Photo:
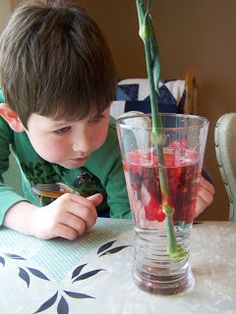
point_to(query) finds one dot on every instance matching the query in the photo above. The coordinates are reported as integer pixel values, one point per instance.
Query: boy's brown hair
(55, 62)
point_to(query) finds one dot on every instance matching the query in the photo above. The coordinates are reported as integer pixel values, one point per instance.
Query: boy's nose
(83, 145)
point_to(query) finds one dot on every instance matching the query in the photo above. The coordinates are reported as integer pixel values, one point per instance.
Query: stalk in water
(152, 58)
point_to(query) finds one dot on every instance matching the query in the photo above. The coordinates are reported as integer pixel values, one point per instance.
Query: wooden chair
(191, 90)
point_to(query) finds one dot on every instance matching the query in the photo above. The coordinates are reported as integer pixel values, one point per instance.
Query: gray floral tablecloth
(93, 273)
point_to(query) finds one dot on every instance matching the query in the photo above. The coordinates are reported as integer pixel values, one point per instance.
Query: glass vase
(179, 152)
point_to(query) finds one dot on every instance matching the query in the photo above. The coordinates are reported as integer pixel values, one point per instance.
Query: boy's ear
(11, 117)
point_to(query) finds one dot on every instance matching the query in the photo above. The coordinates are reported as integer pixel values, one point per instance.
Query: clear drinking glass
(183, 140)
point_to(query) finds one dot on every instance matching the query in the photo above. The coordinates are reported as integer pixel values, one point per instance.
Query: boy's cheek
(50, 152)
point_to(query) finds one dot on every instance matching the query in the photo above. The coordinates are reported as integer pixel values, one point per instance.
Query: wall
(201, 33)
(4, 13)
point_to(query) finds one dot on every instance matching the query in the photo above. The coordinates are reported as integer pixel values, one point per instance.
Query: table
(93, 273)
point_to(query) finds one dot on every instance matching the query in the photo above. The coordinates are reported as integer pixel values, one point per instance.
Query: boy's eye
(62, 130)
(96, 118)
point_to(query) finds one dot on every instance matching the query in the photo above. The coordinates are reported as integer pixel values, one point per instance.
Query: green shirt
(103, 173)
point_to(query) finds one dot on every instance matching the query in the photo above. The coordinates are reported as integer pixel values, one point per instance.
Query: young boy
(58, 81)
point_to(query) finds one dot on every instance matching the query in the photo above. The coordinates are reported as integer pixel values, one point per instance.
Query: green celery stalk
(152, 58)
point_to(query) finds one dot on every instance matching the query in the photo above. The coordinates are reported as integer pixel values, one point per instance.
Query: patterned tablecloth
(93, 273)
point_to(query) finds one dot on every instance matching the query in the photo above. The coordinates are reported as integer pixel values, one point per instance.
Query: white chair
(225, 146)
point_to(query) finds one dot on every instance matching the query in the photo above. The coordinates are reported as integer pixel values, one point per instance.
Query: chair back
(175, 96)
(225, 146)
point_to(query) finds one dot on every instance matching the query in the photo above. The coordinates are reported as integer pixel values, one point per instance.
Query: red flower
(153, 210)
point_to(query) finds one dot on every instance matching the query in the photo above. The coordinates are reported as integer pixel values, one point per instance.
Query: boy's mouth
(74, 163)
(81, 159)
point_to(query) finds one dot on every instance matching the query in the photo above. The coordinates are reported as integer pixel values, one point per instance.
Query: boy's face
(67, 143)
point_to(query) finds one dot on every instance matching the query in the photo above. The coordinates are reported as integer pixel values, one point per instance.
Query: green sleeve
(1, 96)
(8, 197)
(106, 164)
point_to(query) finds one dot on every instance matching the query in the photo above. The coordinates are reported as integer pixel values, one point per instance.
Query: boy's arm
(20, 217)
(8, 197)
(67, 217)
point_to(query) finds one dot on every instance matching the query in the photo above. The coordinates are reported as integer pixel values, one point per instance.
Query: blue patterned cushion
(127, 92)
(145, 107)
(133, 95)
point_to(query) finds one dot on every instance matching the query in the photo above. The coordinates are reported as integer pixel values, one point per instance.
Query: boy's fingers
(204, 199)
(77, 223)
(65, 232)
(96, 199)
(207, 185)
(206, 196)
(80, 207)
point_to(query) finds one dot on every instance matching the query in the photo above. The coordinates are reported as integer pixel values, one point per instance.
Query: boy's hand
(67, 217)
(205, 196)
